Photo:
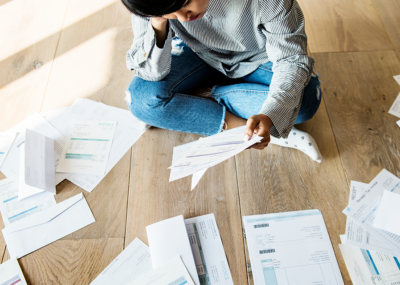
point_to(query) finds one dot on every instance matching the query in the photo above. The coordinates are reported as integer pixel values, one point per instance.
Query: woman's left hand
(260, 125)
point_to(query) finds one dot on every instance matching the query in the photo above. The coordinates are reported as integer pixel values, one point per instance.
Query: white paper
(196, 177)
(131, 263)
(38, 124)
(355, 234)
(172, 272)
(6, 141)
(398, 123)
(370, 268)
(12, 209)
(208, 251)
(56, 117)
(168, 239)
(47, 226)
(128, 131)
(88, 147)
(397, 78)
(291, 248)
(388, 213)
(363, 210)
(395, 109)
(11, 274)
(40, 171)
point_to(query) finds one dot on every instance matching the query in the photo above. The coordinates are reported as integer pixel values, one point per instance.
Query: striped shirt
(236, 37)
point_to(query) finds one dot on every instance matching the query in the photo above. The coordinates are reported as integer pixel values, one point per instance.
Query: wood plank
(341, 25)
(90, 59)
(69, 261)
(280, 179)
(152, 198)
(359, 90)
(388, 11)
(31, 33)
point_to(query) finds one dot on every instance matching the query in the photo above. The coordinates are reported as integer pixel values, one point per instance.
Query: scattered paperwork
(6, 141)
(210, 151)
(291, 248)
(47, 226)
(13, 210)
(395, 109)
(388, 213)
(168, 239)
(172, 272)
(208, 251)
(131, 263)
(370, 268)
(363, 210)
(87, 147)
(10, 273)
(40, 171)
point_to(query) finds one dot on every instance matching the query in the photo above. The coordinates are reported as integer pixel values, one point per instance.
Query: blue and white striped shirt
(236, 37)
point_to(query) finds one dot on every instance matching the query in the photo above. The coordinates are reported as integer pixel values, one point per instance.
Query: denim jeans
(166, 103)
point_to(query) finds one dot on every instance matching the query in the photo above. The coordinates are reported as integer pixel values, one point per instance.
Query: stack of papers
(181, 252)
(372, 230)
(291, 248)
(196, 157)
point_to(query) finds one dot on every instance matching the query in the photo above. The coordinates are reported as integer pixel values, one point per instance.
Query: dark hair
(151, 8)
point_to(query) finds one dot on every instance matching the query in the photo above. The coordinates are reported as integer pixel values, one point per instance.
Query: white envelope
(47, 226)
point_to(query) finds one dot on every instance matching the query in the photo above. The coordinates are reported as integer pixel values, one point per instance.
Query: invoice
(88, 147)
(291, 248)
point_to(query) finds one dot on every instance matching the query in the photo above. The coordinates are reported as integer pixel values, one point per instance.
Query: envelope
(47, 226)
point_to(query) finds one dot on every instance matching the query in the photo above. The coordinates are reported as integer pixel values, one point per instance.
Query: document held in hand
(168, 239)
(47, 226)
(88, 147)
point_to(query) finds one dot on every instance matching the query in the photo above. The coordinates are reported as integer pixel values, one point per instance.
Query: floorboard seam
(127, 197)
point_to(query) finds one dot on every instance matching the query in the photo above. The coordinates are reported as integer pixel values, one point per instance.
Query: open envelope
(47, 226)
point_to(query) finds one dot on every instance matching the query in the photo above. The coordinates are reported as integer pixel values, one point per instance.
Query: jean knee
(145, 97)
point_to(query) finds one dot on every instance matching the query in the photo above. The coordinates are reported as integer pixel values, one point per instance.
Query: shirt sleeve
(286, 45)
(150, 62)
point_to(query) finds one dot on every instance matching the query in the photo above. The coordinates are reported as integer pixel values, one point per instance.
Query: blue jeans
(166, 103)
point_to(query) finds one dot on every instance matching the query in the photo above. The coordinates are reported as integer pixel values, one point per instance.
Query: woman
(182, 45)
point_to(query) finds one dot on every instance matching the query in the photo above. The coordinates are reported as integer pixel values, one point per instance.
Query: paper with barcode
(87, 147)
(395, 109)
(208, 251)
(291, 248)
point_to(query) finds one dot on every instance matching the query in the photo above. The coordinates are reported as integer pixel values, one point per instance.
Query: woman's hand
(259, 125)
(160, 28)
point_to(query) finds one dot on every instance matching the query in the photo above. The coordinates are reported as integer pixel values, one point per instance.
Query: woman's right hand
(160, 25)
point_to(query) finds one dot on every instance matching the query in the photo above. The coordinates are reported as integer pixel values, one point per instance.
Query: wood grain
(152, 198)
(69, 261)
(90, 58)
(388, 11)
(280, 179)
(359, 90)
(342, 25)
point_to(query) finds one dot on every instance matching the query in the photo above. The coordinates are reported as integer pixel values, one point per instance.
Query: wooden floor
(52, 52)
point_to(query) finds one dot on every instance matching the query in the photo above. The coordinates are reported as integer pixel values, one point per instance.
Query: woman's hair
(150, 8)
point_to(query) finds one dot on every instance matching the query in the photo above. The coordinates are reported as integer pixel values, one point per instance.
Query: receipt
(88, 147)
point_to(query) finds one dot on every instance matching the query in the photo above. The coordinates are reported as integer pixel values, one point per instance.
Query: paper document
(55, 117)
(40, 171)
(38, 124)
(363, 210)
(172, 272)
(11, 274)
(168, 239)
(291, 248)
(88, 147)
(12, 209)
(208, 251)
(388, 213)
(355, 234)
(397, 78)
(370, 268)
(395, 109)
(47, 226)
(6, 141)
(131, 263)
